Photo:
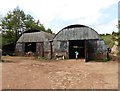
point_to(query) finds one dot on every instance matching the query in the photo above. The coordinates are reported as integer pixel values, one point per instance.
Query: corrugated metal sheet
(77, 33)
(35, 37)
(94, 45)
(96, 48)
(20, 47)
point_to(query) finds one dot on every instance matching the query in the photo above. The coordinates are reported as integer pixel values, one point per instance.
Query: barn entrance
(30, 46)
(76, 45)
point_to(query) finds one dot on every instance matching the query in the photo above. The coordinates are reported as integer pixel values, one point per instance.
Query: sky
(119, 10)
(101, 15)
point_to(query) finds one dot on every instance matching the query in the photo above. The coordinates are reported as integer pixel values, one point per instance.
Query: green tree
(30, 23)
(49, 31)
(119, 39)
(8, 37)
(16, 22)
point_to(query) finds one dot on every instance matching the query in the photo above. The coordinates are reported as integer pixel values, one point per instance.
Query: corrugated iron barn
(82, 39)
(38, 43)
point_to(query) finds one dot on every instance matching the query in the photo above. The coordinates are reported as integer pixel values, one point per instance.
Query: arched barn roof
(35, 37)
(76, 32)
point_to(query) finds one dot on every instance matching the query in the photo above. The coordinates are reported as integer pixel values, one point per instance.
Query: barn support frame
(51, 49)
(86, 51)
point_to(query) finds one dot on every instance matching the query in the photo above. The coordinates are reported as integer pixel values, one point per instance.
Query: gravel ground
(29, 73)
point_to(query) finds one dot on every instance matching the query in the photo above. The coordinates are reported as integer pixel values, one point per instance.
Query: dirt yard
(29, 73)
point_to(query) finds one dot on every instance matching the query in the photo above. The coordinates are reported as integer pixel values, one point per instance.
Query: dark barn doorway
(30, 46)
(76, 45)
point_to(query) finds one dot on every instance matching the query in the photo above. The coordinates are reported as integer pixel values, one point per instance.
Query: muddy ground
(31, 73)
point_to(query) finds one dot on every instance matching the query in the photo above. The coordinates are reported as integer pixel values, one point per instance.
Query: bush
(1, 60)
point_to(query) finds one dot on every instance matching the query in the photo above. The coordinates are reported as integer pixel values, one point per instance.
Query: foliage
(119, 25)
(8, 37)
(49, 30)
(15, 23)
(118, 34)
(109, 40)
(119, 39)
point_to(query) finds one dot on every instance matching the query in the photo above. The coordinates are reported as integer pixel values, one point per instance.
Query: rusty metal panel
(61, 47)
(101, 46)
(46, 45)
(40, 49)
(47, 49)
(20, 47)
(97, 49)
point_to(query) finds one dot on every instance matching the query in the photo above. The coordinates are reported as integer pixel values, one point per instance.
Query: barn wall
(61, 47)
(47, 49)
(97, 49)
(43, 49)
(20, 47)
(39, 49)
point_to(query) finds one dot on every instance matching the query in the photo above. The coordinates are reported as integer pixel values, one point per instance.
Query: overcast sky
(101, 15)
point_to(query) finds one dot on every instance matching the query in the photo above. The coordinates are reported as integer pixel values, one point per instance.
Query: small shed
(83, 39)
(38, 43)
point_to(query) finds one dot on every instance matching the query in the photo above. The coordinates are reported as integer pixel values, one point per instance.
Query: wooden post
(85, 50)
(86, 54)
(51, 49)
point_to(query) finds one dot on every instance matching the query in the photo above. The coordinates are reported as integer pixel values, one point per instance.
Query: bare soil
(31, 73)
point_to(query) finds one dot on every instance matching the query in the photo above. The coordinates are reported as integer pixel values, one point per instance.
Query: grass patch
(45, 59)
(108, 40)
(102, 60)
(107, 59)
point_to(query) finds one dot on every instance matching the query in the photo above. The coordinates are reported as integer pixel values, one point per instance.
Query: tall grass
(109, 40)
